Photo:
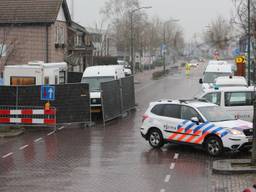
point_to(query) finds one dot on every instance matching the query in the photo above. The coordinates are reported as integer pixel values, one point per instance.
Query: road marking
(7, 155)
(61, 128)
(145, 86)
(167, 178)
(172, 166)
(176, 156)
(37, 140)
(162, 190)
(51, 133)
(23, 147)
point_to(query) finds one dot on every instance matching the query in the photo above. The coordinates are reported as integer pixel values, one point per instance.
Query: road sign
(47, 93)
(236, 52)
(240, 60)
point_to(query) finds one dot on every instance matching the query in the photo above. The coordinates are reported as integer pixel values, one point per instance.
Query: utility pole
(253, 161)
(249, 43)
(164, 49)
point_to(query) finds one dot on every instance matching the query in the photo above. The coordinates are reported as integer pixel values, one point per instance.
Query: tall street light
(164, 44)
(132, 36)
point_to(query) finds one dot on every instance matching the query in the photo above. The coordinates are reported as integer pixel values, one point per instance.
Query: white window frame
(3, 50)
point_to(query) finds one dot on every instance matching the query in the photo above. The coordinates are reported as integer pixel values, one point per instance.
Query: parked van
(95, 75)
(214, 71)
(35, 73)
(237, 100)
(230, 81)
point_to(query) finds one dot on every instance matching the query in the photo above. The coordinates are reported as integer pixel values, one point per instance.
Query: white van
(95, 75)
(236, 100)
(230, 81)
(35, 73)
(214, 71)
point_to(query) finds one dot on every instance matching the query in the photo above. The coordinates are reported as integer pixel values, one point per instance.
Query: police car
(195, 122)
(238, 100)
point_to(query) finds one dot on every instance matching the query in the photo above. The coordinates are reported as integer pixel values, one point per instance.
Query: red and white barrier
(13, 116)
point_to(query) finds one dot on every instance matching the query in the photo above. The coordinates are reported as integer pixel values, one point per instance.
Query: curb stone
(233, 166)
(11, 134)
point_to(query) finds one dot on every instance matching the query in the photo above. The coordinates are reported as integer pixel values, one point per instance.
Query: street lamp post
(164, 46)
(132, 36)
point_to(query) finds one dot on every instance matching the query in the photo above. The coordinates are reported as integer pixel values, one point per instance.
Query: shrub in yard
(159, 74)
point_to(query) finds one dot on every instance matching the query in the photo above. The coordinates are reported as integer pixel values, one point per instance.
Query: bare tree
(218, 34)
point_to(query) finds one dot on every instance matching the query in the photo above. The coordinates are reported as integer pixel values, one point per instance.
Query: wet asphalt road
(114, 158)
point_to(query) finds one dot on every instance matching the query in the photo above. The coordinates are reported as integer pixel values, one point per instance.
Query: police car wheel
(213, 146)
(155, 138)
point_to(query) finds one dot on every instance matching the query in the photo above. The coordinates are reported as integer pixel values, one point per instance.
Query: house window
(3, 50)
(62, 35)
(59, 35)
(78, 40)
(56, 35)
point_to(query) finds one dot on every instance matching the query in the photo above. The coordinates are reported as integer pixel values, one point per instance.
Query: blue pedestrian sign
(47, 93)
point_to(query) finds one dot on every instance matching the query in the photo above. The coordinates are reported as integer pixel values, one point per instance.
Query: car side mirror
(201, 81)
(195, 120)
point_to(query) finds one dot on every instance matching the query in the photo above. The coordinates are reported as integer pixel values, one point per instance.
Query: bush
(158, 74)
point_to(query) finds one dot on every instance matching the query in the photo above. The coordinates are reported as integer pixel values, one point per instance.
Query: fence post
(121, 96)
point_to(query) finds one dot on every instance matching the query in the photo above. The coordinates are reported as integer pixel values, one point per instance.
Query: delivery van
(214, 71)
(95, 75)
(35, 73)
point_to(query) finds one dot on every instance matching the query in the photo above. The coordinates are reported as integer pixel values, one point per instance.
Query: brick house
(34, 30)
(80, 48)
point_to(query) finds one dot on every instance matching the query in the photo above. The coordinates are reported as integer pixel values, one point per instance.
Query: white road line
(23, 147)
(7, 155)
(145, 86)
(176, 156)
(172, 166)
(51, 133)
(162, 190)
(167, 178)
(61, 128)
(37, 140)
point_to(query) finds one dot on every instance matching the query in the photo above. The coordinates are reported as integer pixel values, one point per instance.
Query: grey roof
(31, 11)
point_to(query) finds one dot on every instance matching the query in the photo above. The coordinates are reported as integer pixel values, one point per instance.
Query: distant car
(194, 63)
(236, 100)
(196, 123)
(230, 81)
(127, 67)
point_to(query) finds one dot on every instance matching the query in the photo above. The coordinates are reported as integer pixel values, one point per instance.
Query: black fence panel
(8, 95)
(74, 77)
(71, 100)
(128, 93)
(111, 100)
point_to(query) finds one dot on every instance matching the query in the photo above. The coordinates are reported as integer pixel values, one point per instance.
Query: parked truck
(35, 73)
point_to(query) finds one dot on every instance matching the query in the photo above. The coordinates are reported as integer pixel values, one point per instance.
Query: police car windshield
(94, 82)
(215, 114)
(209, 77)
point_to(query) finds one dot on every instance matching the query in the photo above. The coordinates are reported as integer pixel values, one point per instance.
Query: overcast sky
(193, 15)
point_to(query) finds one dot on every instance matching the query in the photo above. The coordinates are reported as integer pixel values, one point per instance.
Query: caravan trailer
(35, 73)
